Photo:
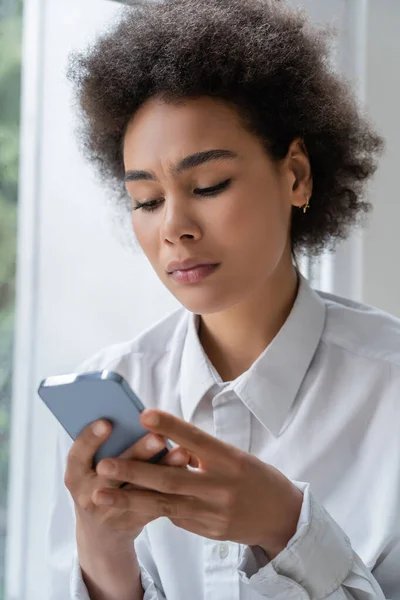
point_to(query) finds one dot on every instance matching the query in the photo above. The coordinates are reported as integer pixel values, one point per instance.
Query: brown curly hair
(260, 56)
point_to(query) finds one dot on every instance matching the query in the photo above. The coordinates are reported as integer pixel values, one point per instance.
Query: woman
(237, 148)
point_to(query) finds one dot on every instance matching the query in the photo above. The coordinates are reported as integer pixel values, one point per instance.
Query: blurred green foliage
(10, 75)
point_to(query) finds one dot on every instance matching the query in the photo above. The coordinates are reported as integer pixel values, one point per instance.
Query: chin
(202, 302)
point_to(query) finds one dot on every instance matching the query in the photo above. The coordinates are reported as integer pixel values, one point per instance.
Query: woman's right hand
(82, 481)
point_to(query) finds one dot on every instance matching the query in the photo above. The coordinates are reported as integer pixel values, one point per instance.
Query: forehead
(195, 123)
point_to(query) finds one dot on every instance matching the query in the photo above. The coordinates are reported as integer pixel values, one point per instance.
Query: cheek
(254, 222)
(146, 233)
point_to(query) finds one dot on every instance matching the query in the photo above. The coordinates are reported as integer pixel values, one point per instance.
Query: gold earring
(306, 205)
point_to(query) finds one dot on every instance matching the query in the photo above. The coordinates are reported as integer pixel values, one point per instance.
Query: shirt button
(223, 550)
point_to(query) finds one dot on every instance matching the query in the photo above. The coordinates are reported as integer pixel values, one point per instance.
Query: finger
(145, 448)
(80, 456)
(150, 445)
(149, 503)
(177, 457)
(194, 462)
(193, 439)
(180, 457)
(169, 480)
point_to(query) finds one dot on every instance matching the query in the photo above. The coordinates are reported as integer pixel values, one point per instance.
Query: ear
(299, 167)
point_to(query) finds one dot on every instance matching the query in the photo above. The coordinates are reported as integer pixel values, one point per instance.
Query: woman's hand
(231, 495)
(82, 481)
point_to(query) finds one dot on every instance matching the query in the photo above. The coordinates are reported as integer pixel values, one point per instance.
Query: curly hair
(263, 58)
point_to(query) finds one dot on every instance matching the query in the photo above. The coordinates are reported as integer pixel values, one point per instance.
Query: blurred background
(10, 85)
(69, 281)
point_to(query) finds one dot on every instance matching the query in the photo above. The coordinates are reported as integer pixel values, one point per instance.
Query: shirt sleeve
(60, 535)
(319, 563)
(151, 591)
(64, 579)
(149, 572)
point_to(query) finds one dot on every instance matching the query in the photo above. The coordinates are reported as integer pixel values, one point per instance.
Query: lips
(191, 270)
(193, 275)
(189, 263)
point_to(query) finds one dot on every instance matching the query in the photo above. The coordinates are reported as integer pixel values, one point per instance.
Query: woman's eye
(147, 206)
(152, 205)
(213, 191)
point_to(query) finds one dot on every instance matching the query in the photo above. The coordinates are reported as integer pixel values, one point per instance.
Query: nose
(179, 222)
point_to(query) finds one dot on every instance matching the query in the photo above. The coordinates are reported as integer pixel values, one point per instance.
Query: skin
(230, 494)
(104, 534)
(245, 228)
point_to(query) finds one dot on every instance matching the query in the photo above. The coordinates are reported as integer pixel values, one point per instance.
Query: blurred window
(10, 72)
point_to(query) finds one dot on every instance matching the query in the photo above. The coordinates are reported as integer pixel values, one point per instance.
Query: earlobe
(301, 170)
(302, 188)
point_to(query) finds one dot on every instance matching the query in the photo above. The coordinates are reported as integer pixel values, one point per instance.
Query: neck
(235, 338)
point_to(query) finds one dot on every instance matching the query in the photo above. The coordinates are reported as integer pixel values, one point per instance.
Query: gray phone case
(77, 400)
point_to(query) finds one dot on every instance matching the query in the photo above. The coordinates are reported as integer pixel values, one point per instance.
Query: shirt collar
(271, 384)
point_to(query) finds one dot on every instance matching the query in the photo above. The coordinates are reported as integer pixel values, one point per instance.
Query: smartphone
(77, 400)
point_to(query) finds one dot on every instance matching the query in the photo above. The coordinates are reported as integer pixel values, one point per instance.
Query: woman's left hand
(230, 495)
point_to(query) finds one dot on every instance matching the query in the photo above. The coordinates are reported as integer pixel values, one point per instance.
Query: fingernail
(177, 458)
(151, 419)
(107, 469)
(154, 444)
(100, 428)
(104, 498)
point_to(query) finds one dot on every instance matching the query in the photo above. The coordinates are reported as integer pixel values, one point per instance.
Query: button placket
(224, 550)
(232, 424)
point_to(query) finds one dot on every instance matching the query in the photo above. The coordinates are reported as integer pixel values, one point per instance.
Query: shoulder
(362, 330)
(162, 337)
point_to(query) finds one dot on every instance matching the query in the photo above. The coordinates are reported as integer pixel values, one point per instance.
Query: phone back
(78, 400)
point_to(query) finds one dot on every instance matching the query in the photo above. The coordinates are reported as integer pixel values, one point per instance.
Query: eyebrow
(194, 160)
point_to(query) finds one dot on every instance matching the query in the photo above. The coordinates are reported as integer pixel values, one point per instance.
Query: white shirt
(321, 404)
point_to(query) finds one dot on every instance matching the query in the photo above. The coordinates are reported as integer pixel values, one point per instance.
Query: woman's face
(242, 226)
